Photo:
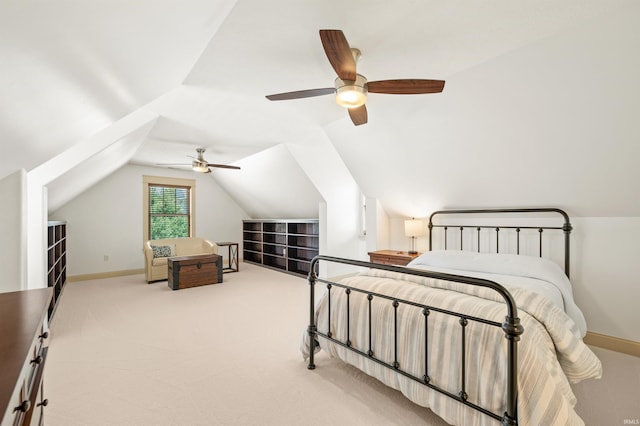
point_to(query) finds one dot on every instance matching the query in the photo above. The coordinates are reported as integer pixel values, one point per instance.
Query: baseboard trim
(617, 344)
(101, 275)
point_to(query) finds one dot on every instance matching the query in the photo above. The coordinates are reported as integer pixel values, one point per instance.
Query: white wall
(377, 226)
(341, 220)
(107, 219)
(13, 250)
(605, 272)
(271, 185)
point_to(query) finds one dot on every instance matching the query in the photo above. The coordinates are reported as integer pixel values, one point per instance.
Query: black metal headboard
(566, 228)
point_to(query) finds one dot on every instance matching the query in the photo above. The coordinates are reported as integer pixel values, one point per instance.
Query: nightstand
(392, 257)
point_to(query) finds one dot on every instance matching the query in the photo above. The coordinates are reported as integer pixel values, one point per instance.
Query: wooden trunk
(193, 271)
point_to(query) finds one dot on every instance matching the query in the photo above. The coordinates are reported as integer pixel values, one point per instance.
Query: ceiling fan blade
(358, 115)
(406, 86)
(223, 166)
(173, 164)
(310, 93)
(339, 53)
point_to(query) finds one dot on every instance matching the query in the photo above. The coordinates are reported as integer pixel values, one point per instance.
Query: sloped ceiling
(70, 69)
(539, 107)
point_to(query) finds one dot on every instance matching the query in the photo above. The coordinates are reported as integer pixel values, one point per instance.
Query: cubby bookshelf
(56, 261)
(287, 245)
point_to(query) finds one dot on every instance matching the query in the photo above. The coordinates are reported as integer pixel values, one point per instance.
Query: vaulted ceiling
(540, 105)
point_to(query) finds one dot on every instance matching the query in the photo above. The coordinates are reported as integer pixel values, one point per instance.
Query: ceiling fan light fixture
(351, 94)
(199, 167)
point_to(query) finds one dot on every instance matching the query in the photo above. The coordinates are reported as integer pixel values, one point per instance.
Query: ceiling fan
(199, 164)
(351, 88)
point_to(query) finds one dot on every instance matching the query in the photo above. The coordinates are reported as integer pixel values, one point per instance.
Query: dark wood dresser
(23, 352)
(193, 271)
(392, 257)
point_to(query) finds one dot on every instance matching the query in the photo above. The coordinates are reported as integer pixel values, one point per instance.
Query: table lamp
(413, 228)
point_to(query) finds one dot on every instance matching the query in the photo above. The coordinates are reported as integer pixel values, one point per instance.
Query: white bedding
(511, 271)
(551, 351)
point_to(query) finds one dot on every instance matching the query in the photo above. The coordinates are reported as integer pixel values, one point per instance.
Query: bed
(478, 329)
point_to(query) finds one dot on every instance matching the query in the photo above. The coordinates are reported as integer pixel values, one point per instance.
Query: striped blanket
(551, 353)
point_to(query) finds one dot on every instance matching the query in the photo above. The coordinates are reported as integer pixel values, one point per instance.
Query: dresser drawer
(27, 402)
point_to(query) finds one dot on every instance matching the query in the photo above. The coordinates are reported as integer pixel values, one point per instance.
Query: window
(168, 211)
(168, 207)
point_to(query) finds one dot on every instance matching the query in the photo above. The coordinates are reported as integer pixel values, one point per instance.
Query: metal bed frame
(511, 325)
(566, 228)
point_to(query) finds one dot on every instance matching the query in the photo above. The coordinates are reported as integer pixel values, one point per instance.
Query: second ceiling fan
(350, 87)
(199, 164)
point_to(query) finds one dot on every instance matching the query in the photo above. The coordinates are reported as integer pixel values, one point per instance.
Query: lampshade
(200, 168)
(351, 94)
(413, 228)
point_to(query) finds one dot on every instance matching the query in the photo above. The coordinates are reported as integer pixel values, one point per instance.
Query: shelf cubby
(288, 244)
(56, 261)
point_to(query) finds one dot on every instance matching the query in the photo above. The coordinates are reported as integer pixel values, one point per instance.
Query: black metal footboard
(511, 327)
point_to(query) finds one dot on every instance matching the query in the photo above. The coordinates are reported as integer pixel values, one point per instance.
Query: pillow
(161, 251)
(496, 263)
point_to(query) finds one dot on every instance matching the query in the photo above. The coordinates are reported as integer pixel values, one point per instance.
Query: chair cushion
(159, 261)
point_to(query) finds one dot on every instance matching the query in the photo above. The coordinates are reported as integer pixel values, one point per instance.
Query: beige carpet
(124, 352)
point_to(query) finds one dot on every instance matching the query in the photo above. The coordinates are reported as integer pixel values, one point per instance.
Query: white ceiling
(539, 106)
